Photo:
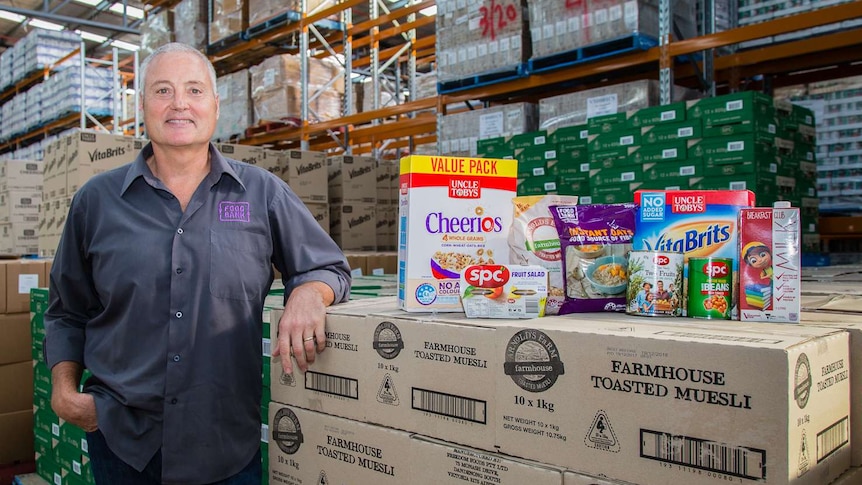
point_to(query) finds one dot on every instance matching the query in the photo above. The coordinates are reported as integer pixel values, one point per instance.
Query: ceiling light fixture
(132, 12)
(125, 45)
(41, 24)
(14, 17)
(91, 36)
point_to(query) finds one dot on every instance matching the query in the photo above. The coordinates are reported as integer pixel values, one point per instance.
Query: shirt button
(179, 270)
(179, 314)
(176, 358)
(180, 230)
(174, 401)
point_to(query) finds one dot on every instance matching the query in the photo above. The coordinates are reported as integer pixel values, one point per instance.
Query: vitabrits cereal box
(697, 223)
(769, 269)
(453, 213)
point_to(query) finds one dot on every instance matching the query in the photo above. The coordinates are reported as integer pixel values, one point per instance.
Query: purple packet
(595, 241)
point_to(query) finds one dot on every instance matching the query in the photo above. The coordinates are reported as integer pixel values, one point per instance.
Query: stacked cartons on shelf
(276, 93)
(156, 30)
(757, 11)
(20, 202)
(40, 49)
(352, 182)
(228, 18)
(17, 277)
(576, 108)
(458, 133)
(192, 16)
(387, 204)
(475, 39)
(558, 27)
(235, 109)
(262, 10)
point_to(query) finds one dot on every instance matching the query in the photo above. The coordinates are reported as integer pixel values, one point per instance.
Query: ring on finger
(308, 339)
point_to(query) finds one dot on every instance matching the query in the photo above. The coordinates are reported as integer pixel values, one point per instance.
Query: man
(660, 292)
(158, 286)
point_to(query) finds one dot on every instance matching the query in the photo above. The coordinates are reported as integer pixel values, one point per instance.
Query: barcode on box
(832, 438)
(771, 129)
(539, 140)
(737, 186)
(267, 347)
(738, 461)
(685, 132)
(531, 305)
(669, 153)
(538, 171)
(459, 407)
(733, 105)
(585, 134)
(628, 177)
(736, 146)
(668, 115)
(550, 154)
(585, 167)
(264, 432)
(627, 140)
(773, 168)
(330, 384)
(689, 170)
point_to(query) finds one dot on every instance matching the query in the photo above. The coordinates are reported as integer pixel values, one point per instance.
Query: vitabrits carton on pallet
(453, 213)
(697, 223)
(770, 263)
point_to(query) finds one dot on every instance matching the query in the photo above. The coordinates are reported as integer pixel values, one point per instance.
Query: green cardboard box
(490, 147)
(732, 149)
(613, 176)
(712, 169)
(614, 139)
(687, 130)
(731, 108)
(570, 135)
(614, 193)
(673, 170)
(526, 140)
(606, 123)
(573, 185)
(537, 185)
(655, 115)
(668, 151)
(766, 129)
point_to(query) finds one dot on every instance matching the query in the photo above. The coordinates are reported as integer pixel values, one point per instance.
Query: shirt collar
(218, 166)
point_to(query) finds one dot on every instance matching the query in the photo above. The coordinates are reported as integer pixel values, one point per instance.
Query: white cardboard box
(657, 404)
(311, 447)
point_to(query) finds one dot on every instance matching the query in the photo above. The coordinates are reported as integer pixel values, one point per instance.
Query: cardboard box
(382, 263)
(16, 390)
(306, 174)
(439, 462)
(19, 238)
(15, 339)
(598, 397)
(353, 225)
(340, 375)
(770, 263)
(20, 205)
(320, 212)
(352, 179)
(471, 214)
(414, 361)
(312, 447)
(21, 276)
(576, 478)
(16, 428)
(21, 174)
(91, 152)
(844, 311)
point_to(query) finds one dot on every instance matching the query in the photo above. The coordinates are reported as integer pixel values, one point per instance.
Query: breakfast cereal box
(697, 223)
(769, 268)
(454, 212)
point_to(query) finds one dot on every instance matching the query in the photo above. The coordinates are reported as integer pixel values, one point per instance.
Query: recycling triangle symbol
(387, 393)
(322, 480)
(601, 435)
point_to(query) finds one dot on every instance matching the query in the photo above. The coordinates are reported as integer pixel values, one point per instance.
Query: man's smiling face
(180, 103)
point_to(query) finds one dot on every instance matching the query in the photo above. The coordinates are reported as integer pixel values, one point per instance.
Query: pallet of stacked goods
(61, 451)
(235, 108)
(157, 29)
(192, 15)
(20, 203)
(570, 33)
(752, 12)
(479, 44)
(353, 201)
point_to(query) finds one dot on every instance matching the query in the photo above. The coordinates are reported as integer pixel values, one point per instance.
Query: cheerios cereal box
(453, 213)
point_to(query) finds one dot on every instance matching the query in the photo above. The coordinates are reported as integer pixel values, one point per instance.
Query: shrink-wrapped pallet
(156, 30)
(262, 10)
(557, 26)
(229, 17)
(475, 38)
(235, 113)
(457, 133)
(277, 96)
(192, 16)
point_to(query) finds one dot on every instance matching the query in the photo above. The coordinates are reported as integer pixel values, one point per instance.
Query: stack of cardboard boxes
(18, 349)
(352, 182)
(69, 162)
(20, 201)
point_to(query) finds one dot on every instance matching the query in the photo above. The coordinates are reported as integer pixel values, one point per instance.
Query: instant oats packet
(533, 240)
(594, 242)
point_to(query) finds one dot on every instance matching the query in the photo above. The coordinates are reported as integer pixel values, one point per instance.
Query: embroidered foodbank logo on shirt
(229, 211)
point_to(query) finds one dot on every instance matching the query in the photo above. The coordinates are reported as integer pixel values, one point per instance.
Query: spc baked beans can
(710, 288)
(655, 283)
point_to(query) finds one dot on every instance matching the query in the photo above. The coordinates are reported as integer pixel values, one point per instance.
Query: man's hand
(73, 406)
(301, 327)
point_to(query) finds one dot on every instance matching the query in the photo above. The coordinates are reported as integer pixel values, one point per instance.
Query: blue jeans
(109, 469)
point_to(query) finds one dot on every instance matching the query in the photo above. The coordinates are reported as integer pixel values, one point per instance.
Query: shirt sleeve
(72, 295)
(303, 251)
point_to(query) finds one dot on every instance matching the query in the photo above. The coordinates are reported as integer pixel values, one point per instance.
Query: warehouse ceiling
(100, 21)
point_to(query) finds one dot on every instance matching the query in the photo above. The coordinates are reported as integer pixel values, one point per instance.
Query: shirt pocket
(239, 264)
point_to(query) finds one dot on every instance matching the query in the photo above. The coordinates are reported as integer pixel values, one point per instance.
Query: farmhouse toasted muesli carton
(454, 212)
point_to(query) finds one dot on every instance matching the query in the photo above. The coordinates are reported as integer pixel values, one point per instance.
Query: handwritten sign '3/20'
(496, 16)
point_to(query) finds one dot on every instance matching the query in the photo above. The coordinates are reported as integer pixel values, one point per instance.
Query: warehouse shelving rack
(119, 120)
(832, 55)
